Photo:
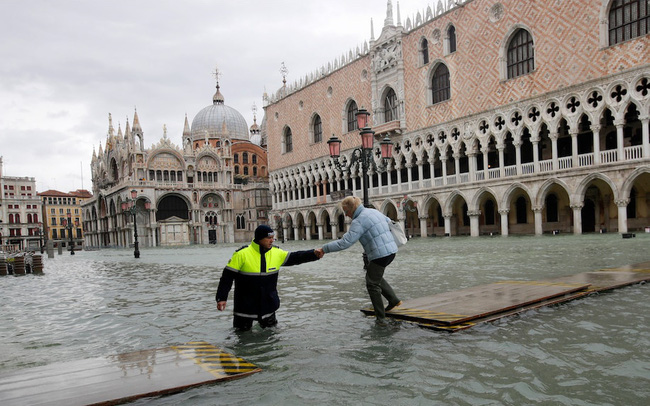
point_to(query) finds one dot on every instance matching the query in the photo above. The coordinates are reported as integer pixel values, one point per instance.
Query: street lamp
(40, 236)
(69, 227)
(130, 206)
(362, 155)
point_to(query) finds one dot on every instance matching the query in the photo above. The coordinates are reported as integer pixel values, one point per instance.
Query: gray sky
(67, 64)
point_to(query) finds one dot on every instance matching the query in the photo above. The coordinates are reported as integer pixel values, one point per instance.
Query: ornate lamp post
(69, 227)
(130, 206)
(40, 236)
(362, 155)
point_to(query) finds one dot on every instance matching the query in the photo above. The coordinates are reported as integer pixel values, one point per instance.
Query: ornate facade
(507, 117)
(212, 189)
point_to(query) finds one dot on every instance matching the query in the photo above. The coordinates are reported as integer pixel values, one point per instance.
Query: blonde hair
(350, 203)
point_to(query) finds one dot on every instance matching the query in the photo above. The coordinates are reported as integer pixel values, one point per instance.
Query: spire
(218, 97)
(389, 14)
(399, 19)
(127, 131)
(372, 30)
(186, 128)
(111, 131)
(136, 122)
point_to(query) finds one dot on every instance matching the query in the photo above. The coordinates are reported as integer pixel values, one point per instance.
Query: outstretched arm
(300, 257)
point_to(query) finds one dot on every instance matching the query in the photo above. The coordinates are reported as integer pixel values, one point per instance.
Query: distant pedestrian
(370, 228)
(254, 269)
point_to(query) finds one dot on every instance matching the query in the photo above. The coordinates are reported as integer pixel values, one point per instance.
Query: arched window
(255, 171)
(11, 218)
(254, 159)
(390, 106)
(288, 140)
(235, 158)
(424, 51)
(352, 116)
(451, 39)
(241, 222)
(521, 54)
(317, 129)
(245, 158)
(628, 19)
(245, 170)
(236, 169)
(440, 86)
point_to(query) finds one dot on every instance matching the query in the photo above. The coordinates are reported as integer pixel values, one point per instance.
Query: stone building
(60, 211)
(507, 117)
(213, 188)
(20, 208)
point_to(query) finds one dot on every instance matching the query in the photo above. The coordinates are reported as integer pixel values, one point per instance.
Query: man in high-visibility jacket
(254, 269)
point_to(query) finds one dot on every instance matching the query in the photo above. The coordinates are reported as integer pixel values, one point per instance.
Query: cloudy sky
(67, 64)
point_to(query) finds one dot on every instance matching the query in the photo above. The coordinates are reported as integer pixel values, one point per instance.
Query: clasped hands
(319, 252)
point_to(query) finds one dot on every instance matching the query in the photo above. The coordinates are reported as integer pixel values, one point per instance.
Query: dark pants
(378, 287)
(245, 323)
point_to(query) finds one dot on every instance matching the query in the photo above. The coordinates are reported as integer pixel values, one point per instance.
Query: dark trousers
(245, 323)
(378, 287)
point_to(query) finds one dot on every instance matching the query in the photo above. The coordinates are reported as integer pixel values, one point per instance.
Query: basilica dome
(218, 121)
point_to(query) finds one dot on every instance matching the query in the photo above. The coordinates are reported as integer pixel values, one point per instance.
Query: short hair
(350, 203)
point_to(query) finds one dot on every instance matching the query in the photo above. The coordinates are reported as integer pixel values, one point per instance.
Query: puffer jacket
(370, 228)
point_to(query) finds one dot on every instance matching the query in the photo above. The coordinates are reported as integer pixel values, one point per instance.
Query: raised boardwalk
(121, 378)
(462, 309)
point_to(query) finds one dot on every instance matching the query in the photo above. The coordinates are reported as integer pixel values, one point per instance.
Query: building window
(245, 158)
(241, 222)
(440, 84)
(254, 159)
(521, 56)
(390, 107)
(317, 128)
(288, 140)
(451, 39)
(424, 51)
(245, 170)
(352, 116)
(628, 19)
(235, 158)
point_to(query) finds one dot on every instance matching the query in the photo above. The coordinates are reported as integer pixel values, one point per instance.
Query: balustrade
(565, 162)
(510, 170)
(586, 159)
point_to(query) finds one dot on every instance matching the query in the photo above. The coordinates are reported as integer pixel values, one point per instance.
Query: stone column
(457, 167)
(486, 174)
(307, 232)
(409, 175)
(473, 222)
(535, 143)
(296, 234)
(553, 136)
(420, 165)
(537, 212)
(517, 145)
(622, 214)
(320, 231)
(646, 135)
(595, 129)
(577, 218)
(620, 125)
(423, 226)
(399, 177)
(443, 160)
(472, 166)
(504, 221)
(447, 224)
(574, 149)
(334, 230)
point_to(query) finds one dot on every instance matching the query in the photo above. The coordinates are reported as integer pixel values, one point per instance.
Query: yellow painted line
(214, 360)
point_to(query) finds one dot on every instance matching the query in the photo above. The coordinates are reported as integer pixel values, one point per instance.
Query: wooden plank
(479, 301)
(423, 311)
(120, 378)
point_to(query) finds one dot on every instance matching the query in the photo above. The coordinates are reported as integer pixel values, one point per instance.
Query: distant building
(56, 206)
(508, 117)
(20, 209)
(213, 188)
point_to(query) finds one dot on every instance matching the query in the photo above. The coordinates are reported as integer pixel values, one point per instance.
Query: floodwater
(592, 351)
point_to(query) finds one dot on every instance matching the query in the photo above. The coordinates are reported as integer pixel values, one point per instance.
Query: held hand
(221, 305)
(319, 253)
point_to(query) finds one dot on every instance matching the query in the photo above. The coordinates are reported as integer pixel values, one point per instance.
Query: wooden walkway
(462, 309)
(122, 378)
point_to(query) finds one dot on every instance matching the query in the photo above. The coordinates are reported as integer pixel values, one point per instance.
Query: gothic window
(451, 39)
(521, 55)
(317, 129)
(352, 116)
(424, 51)
(440, 86)
(241, 222)
(390, 106)
(628, 19)
(288, 140)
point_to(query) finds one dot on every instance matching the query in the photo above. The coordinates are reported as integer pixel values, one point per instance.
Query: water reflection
(590, 351)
